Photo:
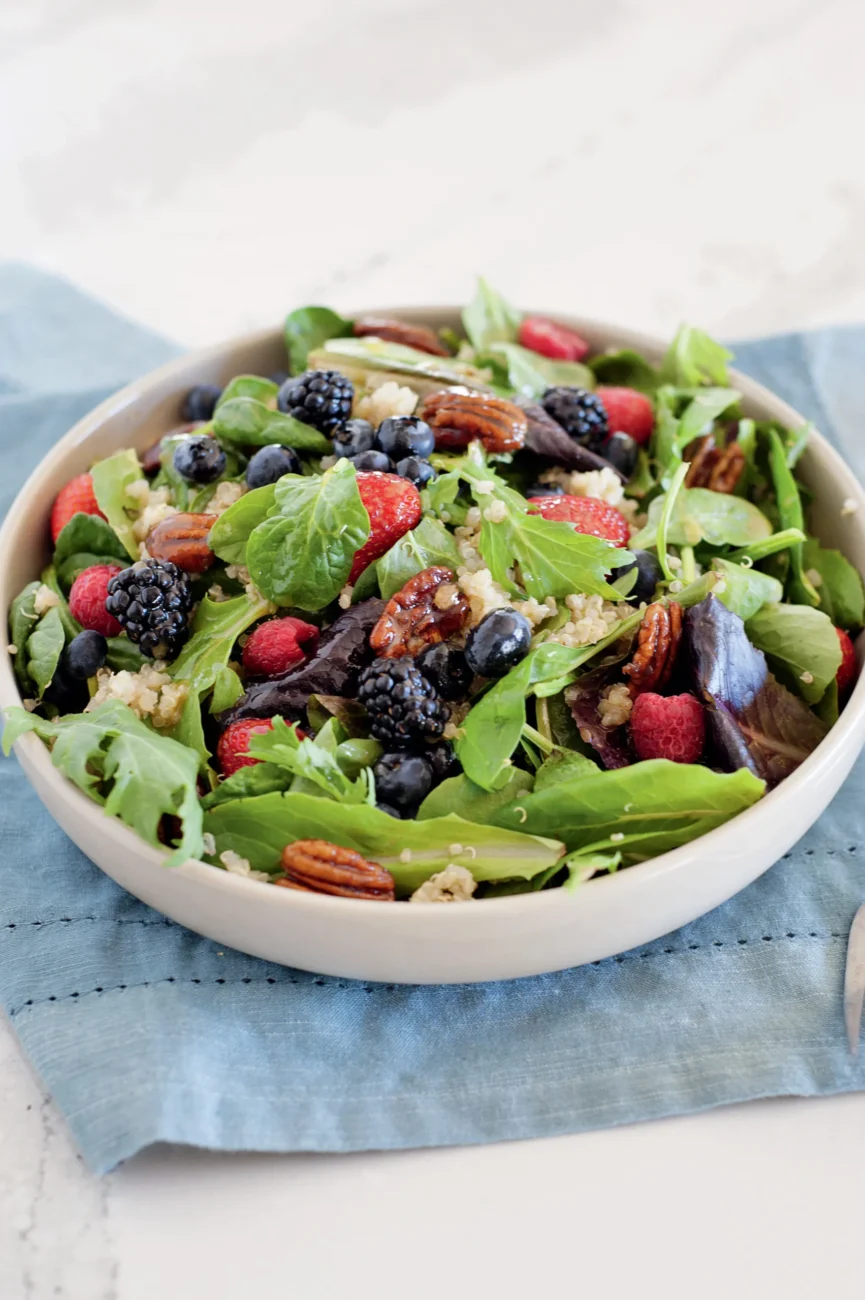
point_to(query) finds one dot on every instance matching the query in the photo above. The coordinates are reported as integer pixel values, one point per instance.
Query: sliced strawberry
(275, 646)
(394, 508)
(77, 497)
(550, 339)
(628, 412)
(848, 669)
(588, 515)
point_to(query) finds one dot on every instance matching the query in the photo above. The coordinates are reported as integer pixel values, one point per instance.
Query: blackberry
(199, 402)
(269, 464)
(321, 398)
(580, 413)
(153, 602)
(445, 666)
(199, 459)
(404, 708)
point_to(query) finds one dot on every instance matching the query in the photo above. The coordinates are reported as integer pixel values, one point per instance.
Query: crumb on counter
(453, 885)
(849, 506)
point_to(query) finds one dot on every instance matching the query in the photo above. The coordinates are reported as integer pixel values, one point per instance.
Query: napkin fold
(145, 1032)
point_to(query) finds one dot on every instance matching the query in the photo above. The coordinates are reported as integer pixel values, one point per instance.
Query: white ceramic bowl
(498, 939)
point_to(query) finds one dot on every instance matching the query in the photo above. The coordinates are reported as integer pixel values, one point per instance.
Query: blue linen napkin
(144, 1032)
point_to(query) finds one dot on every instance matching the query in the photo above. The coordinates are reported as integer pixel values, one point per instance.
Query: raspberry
(275, 647)
(77, 497)
(628, 412)
(847, 669)
(552, 340)
(588, 515)
(668, 726)
(87, 599)
(394, 508)
(231, 750)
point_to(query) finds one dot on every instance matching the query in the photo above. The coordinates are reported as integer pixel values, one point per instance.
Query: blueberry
(445, 666)
(498, 643)
(390, 810)
(353, 437)
(546, 490)
(371, 461)
(405, 435)
(278, 377)
(402, 780)
(443, 761)
(67, 693)
(649, 574)
(269, 464)
(417, 471)
(85, 654)
(199, 402)
(200, 459)
(620, 450)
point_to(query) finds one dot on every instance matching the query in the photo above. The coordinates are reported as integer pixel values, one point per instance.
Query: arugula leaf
(312, 761)
(44, 648)
(134, 772)
(229, 535)
(703, 409)
(563, 765)
(694, 358)
(259, 828)
(800, 643)
(22, 620)
(308, 328)
(840, 589)
(112, 478)
(655, 806)
(255, 386)
(745, 590)
(531, 375)
(674, 432)
(664, 518)
(459, 794)
(428, 544)
(700, 515)
(625, 368)
(215, 628)
(303, 554)
(89, 533)
(800, 589)
(189, 732)
(250, 423)
(489, 318)
(771, 545)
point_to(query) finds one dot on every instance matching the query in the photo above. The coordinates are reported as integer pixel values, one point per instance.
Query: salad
(439, 616)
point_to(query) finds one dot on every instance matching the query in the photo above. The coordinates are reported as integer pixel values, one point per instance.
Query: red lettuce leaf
(546, 437)
(612, 744)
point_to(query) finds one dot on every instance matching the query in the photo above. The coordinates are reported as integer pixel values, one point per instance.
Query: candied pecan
(319, 867)
(457, 416)
(420, 337)
(727, 469)
(657, 646)
(428, 609)
(714, 467)
(182, 539)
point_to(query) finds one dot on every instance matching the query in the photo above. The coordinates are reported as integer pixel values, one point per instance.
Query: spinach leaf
(745, 590)
(790, 514)
(703, 409)
(308, 328)
(700, 515)
(134, 772)
(311, 760)
(428, 544)
(303, 554)
(89, 533)
(771, 545)
(70, 625)
(489, 318)
(255, 386)
(124, 654)
(22, 620)
(247, 782)
(44, 648)
(840, 587)
(249, 423)
(563, 765)
(459, 794)
(625, 369)
(229, 535)
(215, 628)
(694, 358)
(189, 731)
(112, 478)
(530, 374)
(654, 806)
(227, 690)
(259, 828)
(800, 643)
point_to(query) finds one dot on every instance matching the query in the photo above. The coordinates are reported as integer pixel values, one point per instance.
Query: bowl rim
(640, 875)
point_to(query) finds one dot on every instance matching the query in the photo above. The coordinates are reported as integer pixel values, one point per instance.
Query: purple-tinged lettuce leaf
(612, 744)
(754, 721)
(545, 437)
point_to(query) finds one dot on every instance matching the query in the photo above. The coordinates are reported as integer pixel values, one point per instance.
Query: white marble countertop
(204, 166)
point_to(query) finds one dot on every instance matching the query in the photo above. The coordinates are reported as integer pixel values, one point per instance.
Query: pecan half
(428, 609)
(420, 337)
(182, 539)
(457, 416)
(657, 646)
(319, 867)
(714, 467)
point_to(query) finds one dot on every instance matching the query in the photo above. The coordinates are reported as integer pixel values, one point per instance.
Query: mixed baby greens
(529, 665)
